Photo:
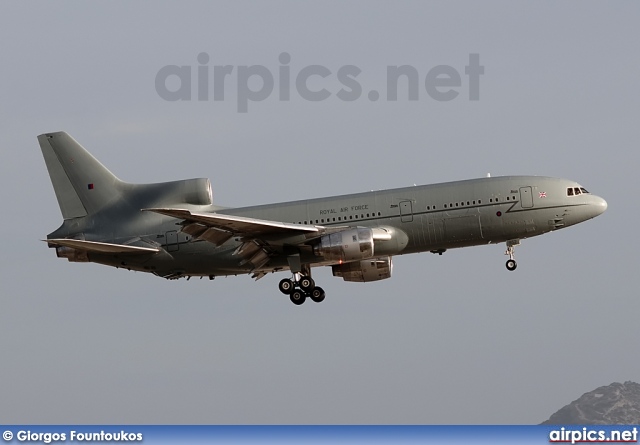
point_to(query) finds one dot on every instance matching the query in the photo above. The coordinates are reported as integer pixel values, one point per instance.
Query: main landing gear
(511, 262)
(301, 287)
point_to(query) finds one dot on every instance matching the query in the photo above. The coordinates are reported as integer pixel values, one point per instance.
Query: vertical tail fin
(82, 184)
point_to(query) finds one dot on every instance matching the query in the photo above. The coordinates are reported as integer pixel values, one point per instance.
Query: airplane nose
(600, 205)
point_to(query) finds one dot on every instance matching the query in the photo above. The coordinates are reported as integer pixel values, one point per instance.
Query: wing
(238, 225)
(261, 238)
(97, 247)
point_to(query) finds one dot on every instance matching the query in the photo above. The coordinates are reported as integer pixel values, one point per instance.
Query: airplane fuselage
(433, 217)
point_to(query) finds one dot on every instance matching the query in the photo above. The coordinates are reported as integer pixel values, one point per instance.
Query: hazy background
(450, 339)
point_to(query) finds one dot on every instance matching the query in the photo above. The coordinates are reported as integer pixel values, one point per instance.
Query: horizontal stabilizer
(97, 247)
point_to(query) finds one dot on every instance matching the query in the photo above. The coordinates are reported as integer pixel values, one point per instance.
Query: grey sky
(450, 339)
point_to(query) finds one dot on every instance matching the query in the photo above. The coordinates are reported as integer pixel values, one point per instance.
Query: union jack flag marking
(543, 194)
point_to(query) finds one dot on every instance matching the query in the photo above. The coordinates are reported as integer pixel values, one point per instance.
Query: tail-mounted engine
(187, 191)
(365, 270)
(348, 245)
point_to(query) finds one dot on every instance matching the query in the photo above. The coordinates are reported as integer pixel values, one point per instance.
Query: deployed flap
(238, 225)
(97, 247)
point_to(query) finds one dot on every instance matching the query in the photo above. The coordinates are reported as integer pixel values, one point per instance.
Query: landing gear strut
(511, 262)
(301, 287)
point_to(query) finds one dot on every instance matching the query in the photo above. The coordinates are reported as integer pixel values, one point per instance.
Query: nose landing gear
(511, 262)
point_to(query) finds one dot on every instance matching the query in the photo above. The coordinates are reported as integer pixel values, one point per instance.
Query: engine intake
(364, 271)
(347, 245)
(195, 191)
(187, 191)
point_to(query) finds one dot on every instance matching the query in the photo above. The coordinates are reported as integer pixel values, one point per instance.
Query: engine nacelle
(73, 255)
(197, 191)
(347, 245)
(187, 191)
(365, 270)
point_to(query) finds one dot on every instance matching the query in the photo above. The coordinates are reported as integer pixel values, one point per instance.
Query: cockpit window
(574, 191)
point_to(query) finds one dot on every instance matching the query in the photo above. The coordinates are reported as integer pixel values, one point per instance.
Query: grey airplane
(173, 229)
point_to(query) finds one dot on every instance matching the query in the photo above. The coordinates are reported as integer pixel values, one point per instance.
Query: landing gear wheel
(286, 286)
(511, 264)
(317, 294)
(297, 297)
(307, 284)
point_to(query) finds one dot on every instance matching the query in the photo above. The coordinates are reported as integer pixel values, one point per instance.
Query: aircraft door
(172, 241)
(406, 211)
(526, 197)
